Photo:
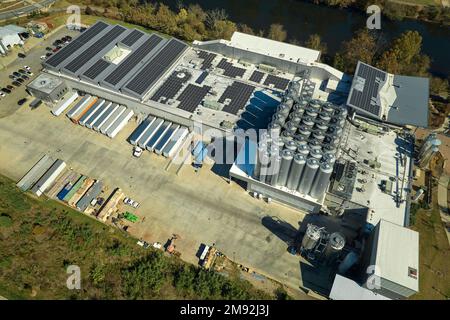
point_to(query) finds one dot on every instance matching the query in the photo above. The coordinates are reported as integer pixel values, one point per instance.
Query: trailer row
(162, 137)
(95, 113)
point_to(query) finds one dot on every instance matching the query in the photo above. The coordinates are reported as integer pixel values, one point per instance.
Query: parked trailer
(74, 188)
(98, 114)
(90, 104)
(68, 186)
(37, 171)
(48, 178)
(150, 132)
(166, 138)
(80, 192)
(111, 205)
(79, 106)
(175, 142)
(91, 112)
(120, 123)
(158, 135)
(90, 195)
(140, 130)
(60, 182)
(104, 128)
(64, 104)
(104, 117)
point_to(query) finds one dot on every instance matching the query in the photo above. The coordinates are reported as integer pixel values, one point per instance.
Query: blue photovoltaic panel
(95, 48)
(130, 62)
(156, 67)
(131, 39)
(77, 43)
(96, 69)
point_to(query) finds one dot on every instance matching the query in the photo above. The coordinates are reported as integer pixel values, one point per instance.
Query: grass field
(40, 238)
(434, 254)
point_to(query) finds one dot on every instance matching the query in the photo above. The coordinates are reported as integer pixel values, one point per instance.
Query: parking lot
(9, 104)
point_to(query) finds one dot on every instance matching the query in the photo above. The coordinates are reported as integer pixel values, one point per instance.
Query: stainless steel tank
(311, 237)
(283, 108)
(311, 112)
(297, 166)
(333, 249)
(286, 135)
(316, 153)
(329, 149)
(311, 168)
(329, 158)
(304, 131)
(264, 162)
(291, 145)
(325, 116)
(319, 135)
(303, 150)
(308, 121)
(315, 144)
(274, 168)
(321, 181)
(286, 161)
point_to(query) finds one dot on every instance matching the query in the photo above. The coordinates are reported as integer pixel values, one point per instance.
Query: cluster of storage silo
(299, 149)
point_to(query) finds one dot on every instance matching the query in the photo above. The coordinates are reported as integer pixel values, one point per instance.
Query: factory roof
(397, 255)
(273, 48)
(396, 99)
(347, 289)
(11, 29)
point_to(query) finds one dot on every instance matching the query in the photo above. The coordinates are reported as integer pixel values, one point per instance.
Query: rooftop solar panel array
(77, 43)
(191, 97)
(363, 99)
(279, 83)
(95, 48)
(207, 59)
(256, 76)
(239, 93)
(156, 67)
(229, 69)
(131, 39)
(131, 61)
(96, 69)
(171, 86)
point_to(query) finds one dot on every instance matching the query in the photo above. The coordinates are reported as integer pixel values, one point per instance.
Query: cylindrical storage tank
(308, 121)
(286, 160)
(295, 174)
(311, 237)
(295, 118)
(304, 131)
(316, 104)
(286, 135)
(274, 129)
(274, 169)
(264, 161)
(327, 108)
(279, 142)
(319, 135)
(321, 180)
(329, 158)
(279, 117)
(329, 149)
(303, 150)
(316, 153)
(311, 168)
(311, 112)
(303, 102)
(315, 144)
(291, 145)
(336, 243)
(324, 116)
(289, 102)
(301, 141)
(282, 108)
(291, 126)
(321, 125)
(298, 107)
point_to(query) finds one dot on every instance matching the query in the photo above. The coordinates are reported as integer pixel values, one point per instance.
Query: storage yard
(325, 179)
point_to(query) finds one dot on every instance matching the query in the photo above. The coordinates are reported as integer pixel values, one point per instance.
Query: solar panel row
(239, 93)
(256, 76)
(229, 69)
(171, 86)
(207, 59)
(77, 43)
(95, 48)
(96, 69)
(191, 97)
(279, 83)
(131, 61)
(131, 39)
(156, 67)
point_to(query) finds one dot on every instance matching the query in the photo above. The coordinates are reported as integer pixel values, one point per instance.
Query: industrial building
(332, 143)
(10, 36)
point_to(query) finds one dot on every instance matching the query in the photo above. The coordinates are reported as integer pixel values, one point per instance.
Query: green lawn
(40, 238)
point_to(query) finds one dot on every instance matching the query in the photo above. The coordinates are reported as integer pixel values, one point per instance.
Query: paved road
(25, 10)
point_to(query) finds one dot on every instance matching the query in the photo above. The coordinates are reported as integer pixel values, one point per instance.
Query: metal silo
(301, 141)
(336, 243)
(283, 108)
(291, 145)
(274, 169)
(321, 125)
(311, 112)
(303, 150)
(286, 160)
(274, 129)
(304, 131)
(329, 149)
(319, 135)
(316, 154)
(295, 118)
(321, 180)
(315, 144)
(311, 168)
(286, 135)
(289, 102)
(279, 117)
(291, 126)
(308, 121)
(297, 166)
(311, 237)
(327, 108)
(329, 158)
(264, 161)
(324, 116)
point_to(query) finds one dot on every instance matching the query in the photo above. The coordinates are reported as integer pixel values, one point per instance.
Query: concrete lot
(200, 207)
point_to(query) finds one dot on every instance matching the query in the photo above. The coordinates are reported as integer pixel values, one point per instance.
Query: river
(301, 19)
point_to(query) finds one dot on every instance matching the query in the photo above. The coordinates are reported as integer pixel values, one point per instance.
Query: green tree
(361, 47)
(277, 32)
(315, 42)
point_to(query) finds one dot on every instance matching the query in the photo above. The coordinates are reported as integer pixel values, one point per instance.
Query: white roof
(397, 250)
(280, 50)
(11, 30)
(347, 289)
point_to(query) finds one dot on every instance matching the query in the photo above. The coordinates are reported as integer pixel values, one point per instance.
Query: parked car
(43, 57)
(24, 77)
(48, 54)
(20, 80)
(21, 71)
(22, 101)
(10, 87)
(21, 55)
(15, 73)
(57, 42)
(48, 49)
(12, 76)
(17, 84)
(5, 90)
(30, 73)
(27, 68)
(56, 49)
(131, 202)
(137, 151)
